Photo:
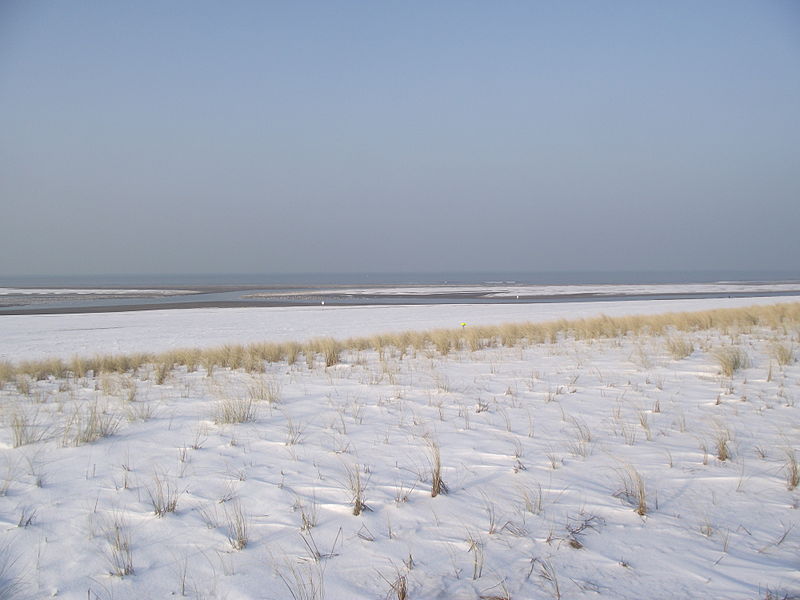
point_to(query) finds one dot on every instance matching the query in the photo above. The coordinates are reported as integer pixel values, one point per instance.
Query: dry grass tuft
(25, 428)
(633, 489)
(120, 552)
(722, 438)
(679, 347)
(235, 410)
(265, 390)
(87, 426)
(162, 370)
(7, 372)
(782, 353)
(163, 495)
(792, 470)
(731, 359)
(237, 525)
(438, 485)
(356, 487)
(304, 581)
(549, 576)
(329, 348)
(398, 588)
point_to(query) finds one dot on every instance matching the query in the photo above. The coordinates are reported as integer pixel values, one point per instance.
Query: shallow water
(289, 280)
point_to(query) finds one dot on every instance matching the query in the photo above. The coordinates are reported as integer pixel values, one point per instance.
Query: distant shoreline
(371, 300)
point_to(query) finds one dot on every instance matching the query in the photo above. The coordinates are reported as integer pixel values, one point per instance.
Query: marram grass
(253, 357)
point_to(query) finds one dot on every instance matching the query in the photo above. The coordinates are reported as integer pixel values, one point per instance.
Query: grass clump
(85, 427)
(7, 371)
(120, 551)
(356, 487)
(721, 440)
(782, 353)
(163, 495)
(444, 340)
(265, 390)
(237, 525)
(633, 489)
(304, 581)
(25, 429)
(398, 587)
(792, 470)
(162, 370)
(39, 370)
(438, 485)
(329, 348)
(731, 359)
(235, 410)
(679, 347)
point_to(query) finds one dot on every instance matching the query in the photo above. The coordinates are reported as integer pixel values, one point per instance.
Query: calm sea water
(300, 279)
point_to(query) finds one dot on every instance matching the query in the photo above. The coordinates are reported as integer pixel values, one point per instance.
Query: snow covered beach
(629, 466)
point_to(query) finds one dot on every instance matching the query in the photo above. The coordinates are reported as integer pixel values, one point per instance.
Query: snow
(535, 443)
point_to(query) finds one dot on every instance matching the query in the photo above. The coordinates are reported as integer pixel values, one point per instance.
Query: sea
(271, 280)
(63, 293)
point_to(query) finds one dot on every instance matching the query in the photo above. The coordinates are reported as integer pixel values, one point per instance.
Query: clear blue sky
(190, 136)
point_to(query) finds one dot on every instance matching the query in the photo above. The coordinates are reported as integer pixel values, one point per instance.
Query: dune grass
(254, 357)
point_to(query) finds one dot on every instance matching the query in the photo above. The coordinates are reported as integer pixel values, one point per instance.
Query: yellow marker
(463, 325)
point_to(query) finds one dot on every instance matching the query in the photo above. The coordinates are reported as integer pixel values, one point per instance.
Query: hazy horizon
(557, 278)
(347, 137)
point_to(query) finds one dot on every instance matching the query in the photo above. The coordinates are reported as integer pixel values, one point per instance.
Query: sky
(339, 136)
